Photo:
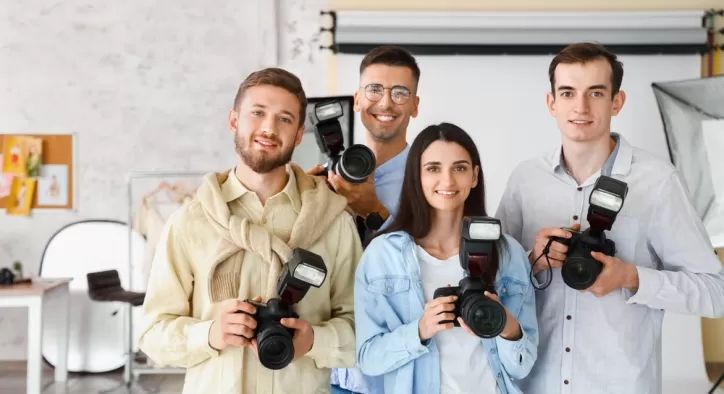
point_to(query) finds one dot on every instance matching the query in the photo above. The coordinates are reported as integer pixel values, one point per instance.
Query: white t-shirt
(464, 366)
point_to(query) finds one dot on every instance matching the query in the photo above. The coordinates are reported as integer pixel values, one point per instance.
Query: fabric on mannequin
(149, 221)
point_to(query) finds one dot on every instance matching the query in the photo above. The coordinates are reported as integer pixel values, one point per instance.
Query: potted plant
(18, 268)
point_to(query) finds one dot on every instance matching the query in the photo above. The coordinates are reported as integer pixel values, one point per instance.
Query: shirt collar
(232, 188)
(394, 164)
(618, 163)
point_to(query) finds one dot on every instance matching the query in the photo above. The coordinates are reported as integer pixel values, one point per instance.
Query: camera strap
(549, 276)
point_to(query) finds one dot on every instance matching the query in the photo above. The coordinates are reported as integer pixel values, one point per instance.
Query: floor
(12, 381)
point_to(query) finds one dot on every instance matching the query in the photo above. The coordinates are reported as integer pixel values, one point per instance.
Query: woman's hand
(511, 332)
(436, 311)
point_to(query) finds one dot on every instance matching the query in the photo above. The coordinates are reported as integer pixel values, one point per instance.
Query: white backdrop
(500, 100)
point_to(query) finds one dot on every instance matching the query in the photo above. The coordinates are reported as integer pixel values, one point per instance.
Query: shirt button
(493, 351)
(568, 317)
(580, 188)
(500, 375)
(263, 221)
(389, 289)
(565, 381)
(568, 349)
(575, 217)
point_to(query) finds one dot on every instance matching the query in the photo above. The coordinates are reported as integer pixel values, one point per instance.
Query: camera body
(485, 317)
(7, 277)
(580, 269)
(275, 342)
(354, 164)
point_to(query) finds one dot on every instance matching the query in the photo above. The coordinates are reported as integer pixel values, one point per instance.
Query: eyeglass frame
(367, 93)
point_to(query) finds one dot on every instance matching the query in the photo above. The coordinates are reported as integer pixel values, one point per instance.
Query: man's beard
(260, 163)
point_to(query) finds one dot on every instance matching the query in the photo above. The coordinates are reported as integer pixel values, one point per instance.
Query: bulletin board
(58, 149)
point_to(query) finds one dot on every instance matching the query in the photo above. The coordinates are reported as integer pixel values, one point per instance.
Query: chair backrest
(98, 331)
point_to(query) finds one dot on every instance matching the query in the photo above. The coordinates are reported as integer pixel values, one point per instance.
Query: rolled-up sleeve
(690, 280)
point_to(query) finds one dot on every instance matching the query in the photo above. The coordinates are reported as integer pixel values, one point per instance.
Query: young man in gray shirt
(606, 337)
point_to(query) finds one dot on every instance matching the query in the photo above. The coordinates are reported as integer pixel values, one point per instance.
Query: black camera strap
(549, 276)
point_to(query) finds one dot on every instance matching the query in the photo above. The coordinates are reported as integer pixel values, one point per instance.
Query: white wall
(148, 78)
(500, 101)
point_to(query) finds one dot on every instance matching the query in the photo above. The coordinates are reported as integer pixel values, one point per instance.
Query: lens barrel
(275, 346)
(580, 270)
(485, 317)
(356, 164)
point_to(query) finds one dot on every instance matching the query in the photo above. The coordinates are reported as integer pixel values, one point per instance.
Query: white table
(34, 296)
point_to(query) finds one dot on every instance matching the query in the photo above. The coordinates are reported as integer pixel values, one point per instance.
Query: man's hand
(361, 197)
(614, 275)
(436, 310)
(511, 331)
(316, 170)
(556, 252)
(303, 336)
(233, 328)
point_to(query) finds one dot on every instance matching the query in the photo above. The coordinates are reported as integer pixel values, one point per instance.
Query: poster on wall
(53, 185)
(21, 196)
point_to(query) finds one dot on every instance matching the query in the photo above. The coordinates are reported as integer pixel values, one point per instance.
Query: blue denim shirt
(389, 302)
(388, 186)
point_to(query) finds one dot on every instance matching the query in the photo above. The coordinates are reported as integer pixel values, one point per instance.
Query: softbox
(692, 112)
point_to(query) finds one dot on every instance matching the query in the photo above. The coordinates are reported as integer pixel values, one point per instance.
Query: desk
(33, 296)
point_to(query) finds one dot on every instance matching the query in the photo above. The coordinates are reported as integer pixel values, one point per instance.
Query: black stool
(106, 286)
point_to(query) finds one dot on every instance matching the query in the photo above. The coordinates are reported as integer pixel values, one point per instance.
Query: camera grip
(446, 292)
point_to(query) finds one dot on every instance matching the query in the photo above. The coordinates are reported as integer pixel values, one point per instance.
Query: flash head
(478, 235)
(606, 202)
(480, 228)
(327, 130)
(303, 270)
(328, 110)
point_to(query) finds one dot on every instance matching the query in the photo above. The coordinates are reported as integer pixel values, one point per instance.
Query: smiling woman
(403, 328)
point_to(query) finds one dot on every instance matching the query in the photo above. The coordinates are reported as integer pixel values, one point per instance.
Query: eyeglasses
(399, 94)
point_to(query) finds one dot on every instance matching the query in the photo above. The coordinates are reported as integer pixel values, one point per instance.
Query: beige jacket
(222, 246)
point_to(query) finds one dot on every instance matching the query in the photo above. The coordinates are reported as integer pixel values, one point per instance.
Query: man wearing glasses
(386, 99)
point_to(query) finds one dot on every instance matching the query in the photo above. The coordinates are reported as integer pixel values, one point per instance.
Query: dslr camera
(355, 163)
(274, 341)
(485, 317)
(580, 269)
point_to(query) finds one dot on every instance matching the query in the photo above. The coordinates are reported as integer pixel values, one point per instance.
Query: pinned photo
(21, 196)
(53, 185)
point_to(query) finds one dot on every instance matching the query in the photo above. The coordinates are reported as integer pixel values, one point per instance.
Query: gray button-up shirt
(612, 344)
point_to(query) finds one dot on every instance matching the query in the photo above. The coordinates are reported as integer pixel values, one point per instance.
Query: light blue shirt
(388, 183)
(612, 344)
(388, 186)
(389, 301)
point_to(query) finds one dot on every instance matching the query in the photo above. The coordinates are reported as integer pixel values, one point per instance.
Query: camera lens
(485, 317)
(357, 163)
(580, 272)
(275, 346)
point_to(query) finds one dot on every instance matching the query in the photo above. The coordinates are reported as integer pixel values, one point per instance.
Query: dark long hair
(414, 215)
